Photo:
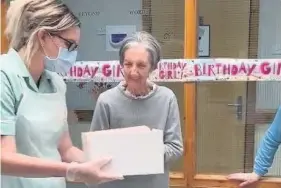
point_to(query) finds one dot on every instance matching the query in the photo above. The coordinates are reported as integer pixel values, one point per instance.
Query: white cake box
(134, 151)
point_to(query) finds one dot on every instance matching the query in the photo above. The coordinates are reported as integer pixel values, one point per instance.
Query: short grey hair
(150, 43)
(26, 17)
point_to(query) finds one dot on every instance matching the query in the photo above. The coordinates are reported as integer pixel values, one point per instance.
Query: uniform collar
(18, 64)
(22, 71)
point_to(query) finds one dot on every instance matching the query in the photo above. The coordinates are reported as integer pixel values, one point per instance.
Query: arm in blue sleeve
(269, 146)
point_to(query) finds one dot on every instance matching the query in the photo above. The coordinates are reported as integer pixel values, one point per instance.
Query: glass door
(230, 118)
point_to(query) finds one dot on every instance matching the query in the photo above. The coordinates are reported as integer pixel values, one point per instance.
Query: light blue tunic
(35, 116)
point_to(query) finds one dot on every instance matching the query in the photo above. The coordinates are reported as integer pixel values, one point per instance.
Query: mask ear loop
(43, 49)
(42, 46)
(52, 38)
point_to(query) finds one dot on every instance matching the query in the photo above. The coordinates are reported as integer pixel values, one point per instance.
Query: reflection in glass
(166, 23)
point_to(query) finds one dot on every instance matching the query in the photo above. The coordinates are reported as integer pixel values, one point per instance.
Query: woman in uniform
(36, 149)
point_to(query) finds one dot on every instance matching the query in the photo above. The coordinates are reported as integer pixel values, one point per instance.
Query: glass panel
(163, 18)
(168, 28)
(239, 29)
(220, 135)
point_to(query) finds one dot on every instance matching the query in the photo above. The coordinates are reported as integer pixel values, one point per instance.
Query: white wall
(269, 93)
(104, 12)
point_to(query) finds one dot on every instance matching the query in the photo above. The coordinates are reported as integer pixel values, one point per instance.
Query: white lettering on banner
(184, 70)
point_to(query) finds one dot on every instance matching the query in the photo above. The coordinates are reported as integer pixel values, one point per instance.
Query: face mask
(62, 63)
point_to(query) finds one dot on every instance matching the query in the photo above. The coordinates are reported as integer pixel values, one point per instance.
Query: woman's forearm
(21, 165)
(73, 154)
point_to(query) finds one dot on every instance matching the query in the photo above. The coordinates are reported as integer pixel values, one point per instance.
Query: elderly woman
(265, 155)
(36, 149)
(137, 101)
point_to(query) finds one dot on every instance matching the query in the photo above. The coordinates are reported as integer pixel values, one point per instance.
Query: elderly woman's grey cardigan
(115, 108)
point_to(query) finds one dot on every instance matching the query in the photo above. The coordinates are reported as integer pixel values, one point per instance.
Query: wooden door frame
(4, 41)
(194, 180)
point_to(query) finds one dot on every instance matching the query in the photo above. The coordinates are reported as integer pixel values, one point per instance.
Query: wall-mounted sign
(204, 41)
(116, 34)
(184, 70)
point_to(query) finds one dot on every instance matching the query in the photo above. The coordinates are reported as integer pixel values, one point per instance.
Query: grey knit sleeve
(172, 133)
(100, 120)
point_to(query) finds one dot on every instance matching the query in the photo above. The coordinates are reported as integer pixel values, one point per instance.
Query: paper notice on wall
(204, 41)
(115, 34)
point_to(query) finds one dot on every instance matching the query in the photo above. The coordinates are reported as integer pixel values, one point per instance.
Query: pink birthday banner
(183, 70)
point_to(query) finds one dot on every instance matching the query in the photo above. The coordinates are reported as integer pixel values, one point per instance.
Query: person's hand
(91, 172)
(248, 180)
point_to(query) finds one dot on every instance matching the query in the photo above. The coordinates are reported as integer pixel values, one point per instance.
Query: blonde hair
(26, 17)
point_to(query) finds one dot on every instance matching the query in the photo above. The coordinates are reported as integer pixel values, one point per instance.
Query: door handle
(239, 107)
(235, 105)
